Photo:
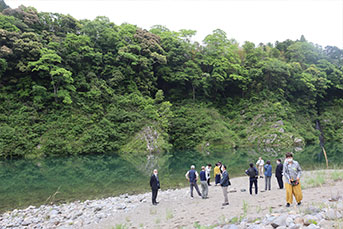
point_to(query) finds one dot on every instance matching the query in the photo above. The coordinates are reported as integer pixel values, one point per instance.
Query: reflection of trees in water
(237, 160)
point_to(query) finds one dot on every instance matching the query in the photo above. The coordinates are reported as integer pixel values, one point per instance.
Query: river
(65, 179)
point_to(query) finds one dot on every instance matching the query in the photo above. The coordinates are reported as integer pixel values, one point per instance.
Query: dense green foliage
(72, 86)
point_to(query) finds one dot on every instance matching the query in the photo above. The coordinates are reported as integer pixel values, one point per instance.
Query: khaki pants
(260, 170)
(204, 189)
(226, 200)
(293, 190)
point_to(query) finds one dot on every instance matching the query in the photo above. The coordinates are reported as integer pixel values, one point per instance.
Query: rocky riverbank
(322, 208)
(326, 215)
(71, 215)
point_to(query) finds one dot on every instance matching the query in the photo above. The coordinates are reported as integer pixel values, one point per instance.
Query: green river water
(60, 180)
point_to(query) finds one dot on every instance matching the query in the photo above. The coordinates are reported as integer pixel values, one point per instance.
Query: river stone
(339, 206)
(231, 226)
(53, 212)
(312, 210)
(121, 207)
(295, 226)
(254, 226)
(332, 214)
(289, 221)
(313, 226)
(299, 220)
(280, 221)
(310, 219)
(243, 224)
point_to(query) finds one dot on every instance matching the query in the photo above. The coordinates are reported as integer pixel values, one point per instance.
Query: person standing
(192, 177)
(216, 172)
(292, 173)
(253, 176)
(204, 185)
(208, 174)
(259, 165)
(268, 175)
(225, 182)
(278, 173)
(220, 167)
(155, 186)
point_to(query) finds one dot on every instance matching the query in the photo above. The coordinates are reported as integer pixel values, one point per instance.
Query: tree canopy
(87, 86)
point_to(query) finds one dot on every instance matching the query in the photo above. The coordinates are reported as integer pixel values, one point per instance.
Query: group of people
(290, 169)
(254, 173)
(222, 178)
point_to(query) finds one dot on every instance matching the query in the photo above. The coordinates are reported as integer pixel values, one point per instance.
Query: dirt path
(176, 209)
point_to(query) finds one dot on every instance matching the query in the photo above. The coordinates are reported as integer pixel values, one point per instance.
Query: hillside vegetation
(71, 87)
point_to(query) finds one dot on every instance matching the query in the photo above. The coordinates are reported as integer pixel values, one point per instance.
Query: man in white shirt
(208, 173)
(259, 165)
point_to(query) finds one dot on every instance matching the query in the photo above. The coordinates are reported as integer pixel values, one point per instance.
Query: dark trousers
(154, 195)
(217, 179)
(252, 181)
(208, 181)
(280, 182)
(195, 185)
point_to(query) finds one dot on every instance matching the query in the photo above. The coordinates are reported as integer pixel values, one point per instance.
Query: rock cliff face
(144, 148)
(148, 141)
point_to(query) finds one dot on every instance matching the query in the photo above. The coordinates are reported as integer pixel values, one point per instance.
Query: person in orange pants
(292, 173)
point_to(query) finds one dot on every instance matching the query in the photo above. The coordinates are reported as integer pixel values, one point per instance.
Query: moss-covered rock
(148, 141)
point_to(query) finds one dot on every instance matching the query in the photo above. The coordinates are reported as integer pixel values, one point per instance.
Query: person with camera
(253, 176)
(292, 173)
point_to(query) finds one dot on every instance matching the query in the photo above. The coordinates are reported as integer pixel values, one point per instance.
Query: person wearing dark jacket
(155, 186)
(192, 176)
(225, 182)
(253, 176)
(278, 173)
(204, 185)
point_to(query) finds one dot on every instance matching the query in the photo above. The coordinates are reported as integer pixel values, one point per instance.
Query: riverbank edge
(79, 214)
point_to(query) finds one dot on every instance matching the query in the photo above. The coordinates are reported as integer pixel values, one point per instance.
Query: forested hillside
(72, 86)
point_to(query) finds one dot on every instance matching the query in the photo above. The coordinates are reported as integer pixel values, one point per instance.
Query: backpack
(251, 172)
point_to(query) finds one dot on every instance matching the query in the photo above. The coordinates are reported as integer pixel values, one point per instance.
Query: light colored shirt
(291, 171)
(208, 172)
(260, 162)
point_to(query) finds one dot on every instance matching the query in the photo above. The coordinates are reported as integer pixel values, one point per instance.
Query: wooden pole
(326, 158)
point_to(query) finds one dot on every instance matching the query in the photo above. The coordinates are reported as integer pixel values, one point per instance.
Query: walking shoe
(224, 204)
(299, 203)
(287, 205)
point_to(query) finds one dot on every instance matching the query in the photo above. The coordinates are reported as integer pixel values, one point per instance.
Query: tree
(61, 79)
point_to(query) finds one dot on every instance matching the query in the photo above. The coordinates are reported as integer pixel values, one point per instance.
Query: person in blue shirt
(268, 175)
(204, 185)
